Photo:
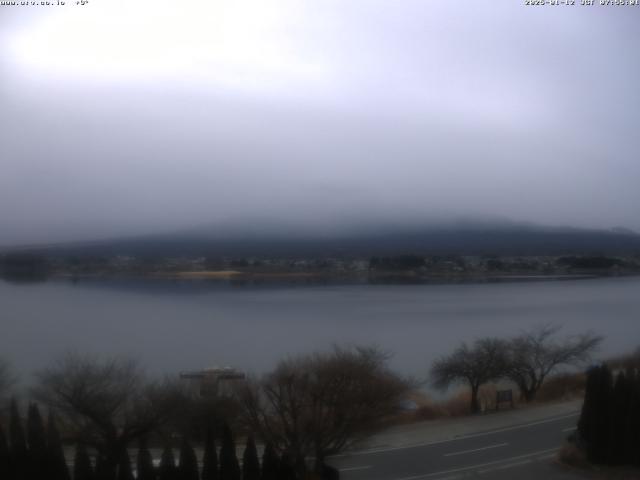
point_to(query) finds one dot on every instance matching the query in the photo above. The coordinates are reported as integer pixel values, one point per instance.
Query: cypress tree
(210, 458)
(18, 449)
(602, 422)
(124, 467)
(5, 464)
(167, 465)
(146, 470)
(286, 469)
(250, 462)
(58, 469)
(632, 449)
(82, 469)
(586, 423)
(609, 426)
(329, 473)
(188, 468)
(37, 442)
(619, 419)
(103, 470)
(270, 463)
(229, 466)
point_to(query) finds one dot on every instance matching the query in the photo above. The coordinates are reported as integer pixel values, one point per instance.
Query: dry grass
(457, 405)
(430, 411)
(623, 362)
(558, 388)
(572, 456)
(562, 387)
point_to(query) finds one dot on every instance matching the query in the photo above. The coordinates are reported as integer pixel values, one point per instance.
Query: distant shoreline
(266, 275)
(399, 269)
(314, 278)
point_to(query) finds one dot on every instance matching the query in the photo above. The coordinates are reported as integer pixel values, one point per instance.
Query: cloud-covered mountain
(286, 239)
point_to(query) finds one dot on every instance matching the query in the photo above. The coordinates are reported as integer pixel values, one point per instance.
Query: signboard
(504, 396)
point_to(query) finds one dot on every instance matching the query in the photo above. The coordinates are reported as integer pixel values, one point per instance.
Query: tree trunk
(115, 449)
(529, 394)
(528, 390)
(319, 461)
(475, 403)
(301, 465)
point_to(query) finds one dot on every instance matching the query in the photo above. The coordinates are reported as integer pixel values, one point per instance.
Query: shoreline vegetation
(247, 406)
(388, 275)
(302, 279)
(400, 269)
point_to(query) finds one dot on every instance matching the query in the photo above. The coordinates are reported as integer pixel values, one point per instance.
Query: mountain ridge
(452, 237)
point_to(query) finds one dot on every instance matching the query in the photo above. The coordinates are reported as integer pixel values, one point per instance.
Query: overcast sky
(123, 117)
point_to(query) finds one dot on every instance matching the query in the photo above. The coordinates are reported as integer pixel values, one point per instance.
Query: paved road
(520, 452)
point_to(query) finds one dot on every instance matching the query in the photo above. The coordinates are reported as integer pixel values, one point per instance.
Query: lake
(181, 325)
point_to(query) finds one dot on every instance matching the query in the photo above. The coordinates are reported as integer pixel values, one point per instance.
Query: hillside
(453, 239)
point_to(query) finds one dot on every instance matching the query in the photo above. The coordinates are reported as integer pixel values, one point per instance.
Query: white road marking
(570, 429)
(464, 437)
(547, 457)
(351, 469)
(476, 449)
(478, 466)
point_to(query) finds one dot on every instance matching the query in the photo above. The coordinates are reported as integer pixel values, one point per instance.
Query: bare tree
(6, 378)
(108, 403)
(318, 405)
(537, 353)
(484, 361)
(629, 361)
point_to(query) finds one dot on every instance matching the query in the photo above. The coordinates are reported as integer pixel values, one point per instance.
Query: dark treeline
(609, 425)
(33, 450)
(23, 266)
(400, 262)
(590, 262)
(309, 408)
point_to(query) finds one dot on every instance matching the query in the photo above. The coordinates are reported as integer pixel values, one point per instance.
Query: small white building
(212, 381)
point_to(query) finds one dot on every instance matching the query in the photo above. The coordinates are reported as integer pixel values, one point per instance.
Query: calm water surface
(172, 326)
